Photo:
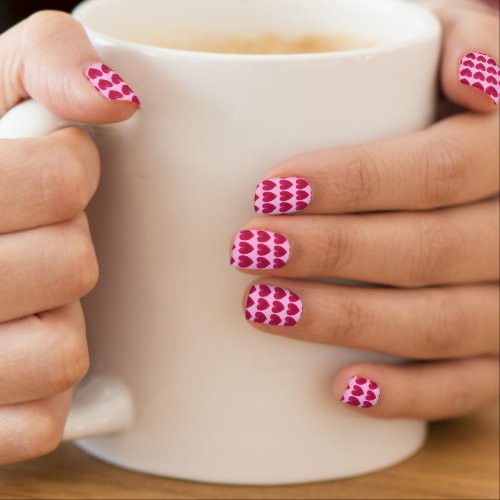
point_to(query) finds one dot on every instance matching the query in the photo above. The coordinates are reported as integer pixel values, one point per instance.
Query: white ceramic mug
(192, 391)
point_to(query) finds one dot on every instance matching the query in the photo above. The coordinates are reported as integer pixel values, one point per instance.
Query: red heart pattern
(361, 392)
(481, 71)
(258, 249)
(282, 195)
(109, 84)
(274, 309)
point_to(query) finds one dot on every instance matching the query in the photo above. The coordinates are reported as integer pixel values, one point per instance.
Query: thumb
(49, 57)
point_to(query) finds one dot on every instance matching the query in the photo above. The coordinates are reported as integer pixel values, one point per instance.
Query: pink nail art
(258, 249)
(282, 195)
(481, 71)
(273, 305)
(109, 84)
(361, 392)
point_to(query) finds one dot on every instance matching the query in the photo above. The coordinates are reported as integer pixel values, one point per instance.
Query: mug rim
(434, 29)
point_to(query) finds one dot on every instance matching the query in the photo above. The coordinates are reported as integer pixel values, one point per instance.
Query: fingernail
(258, 249)
(481, 71)
(273, 305)
(110, 84)
(361, 392)
(282, 195)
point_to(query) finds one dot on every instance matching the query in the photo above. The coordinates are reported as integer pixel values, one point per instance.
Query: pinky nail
(361, 392)
(481, 71)
(273, 305)
(110, 84)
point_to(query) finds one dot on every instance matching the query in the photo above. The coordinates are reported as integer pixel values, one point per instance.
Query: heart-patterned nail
(274, 312)
(477, 70)
(263, 263)
(361, 392)
(244, 262)
(262, 250)
(290, 195)
(357, 391)
(263, 304)
(244, 247)
(109, 84)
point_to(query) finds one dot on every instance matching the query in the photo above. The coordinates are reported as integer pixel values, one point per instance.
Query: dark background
(13, 11)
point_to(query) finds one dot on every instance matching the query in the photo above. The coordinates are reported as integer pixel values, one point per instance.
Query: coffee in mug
(266, 43)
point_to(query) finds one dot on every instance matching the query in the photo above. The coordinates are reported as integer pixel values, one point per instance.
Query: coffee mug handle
(102, 404)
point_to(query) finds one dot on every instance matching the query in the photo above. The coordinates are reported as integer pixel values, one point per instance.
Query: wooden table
(460, 460)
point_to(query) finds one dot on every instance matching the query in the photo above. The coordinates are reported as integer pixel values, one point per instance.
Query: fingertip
(109, 84)
(356, 387)
(107, 98)
(462, 93)
(475, 100)
(470, 73)
(107, 112)
(478, 78)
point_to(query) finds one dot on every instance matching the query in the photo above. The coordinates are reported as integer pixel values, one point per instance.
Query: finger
(42, 355)
(429, 323)
(32, 429)
(452, 162)
(48, 57)
(48, 180)
(45, 268)
(470, 73)
(429, 391)
(447, 246)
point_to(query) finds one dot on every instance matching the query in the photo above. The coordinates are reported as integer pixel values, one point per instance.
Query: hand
(47, 260)
(418, 213)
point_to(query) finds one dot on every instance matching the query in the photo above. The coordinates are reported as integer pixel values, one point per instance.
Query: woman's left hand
(419, 213)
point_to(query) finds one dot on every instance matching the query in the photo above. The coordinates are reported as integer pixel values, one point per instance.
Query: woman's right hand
(47, 260)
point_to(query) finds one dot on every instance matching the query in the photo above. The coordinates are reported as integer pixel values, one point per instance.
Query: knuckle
(70, 358)
(44, 432)
(81, 270)
(456, 398)
(47, 16)
(355, 178)
(443, 331)
(64, 184)
(435, 247)
(349, 323)
(29, 149)
(337, 251)
(39, 29)
(488, 23)
(444, 170)
(40, 25)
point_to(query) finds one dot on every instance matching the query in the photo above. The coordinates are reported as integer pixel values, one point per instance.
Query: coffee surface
(268, 43)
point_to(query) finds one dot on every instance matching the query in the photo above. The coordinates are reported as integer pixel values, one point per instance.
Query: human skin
(417, 214)
(47, 259)
(437, 190)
